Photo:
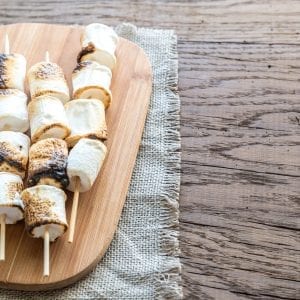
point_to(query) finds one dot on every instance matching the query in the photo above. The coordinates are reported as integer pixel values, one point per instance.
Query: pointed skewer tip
(6, 44)
(47, 56)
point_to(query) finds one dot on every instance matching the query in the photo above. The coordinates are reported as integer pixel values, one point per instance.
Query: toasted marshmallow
(48, 79)
(45, 209)
(14, 147)
(48, 162)
(86, 118)
(84, 162)
(92, 80)
(11, 205)
(99, 43)
(12, 71)
(13, 110)
(47, 119)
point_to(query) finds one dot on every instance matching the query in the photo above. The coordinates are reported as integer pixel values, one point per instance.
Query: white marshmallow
(99, 43)
(48, 163)
(45, 208)
(11, 205)
(47, 119)
(86, 118)
(12, 71)
(92, 80)
(48, 79)
(85, 161)
(14, 147)
(13, 110)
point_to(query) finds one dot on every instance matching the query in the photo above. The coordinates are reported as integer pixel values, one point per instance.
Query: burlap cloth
(142, 261)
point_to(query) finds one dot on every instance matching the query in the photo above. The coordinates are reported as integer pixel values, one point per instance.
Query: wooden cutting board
(99, 209)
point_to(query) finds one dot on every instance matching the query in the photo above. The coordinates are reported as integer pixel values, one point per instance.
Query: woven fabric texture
(142, 261)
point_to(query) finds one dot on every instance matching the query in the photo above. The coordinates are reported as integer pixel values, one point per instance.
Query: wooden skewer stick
(3, 216)
(47, 56)
(46, 233)
(46, 253)
(2, 236)
(74, 210)
(6, 44)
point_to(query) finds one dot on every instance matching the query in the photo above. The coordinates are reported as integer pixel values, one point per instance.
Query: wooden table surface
(239, 82)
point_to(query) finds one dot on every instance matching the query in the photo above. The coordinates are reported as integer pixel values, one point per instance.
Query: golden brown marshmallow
(48, 79)
(48, 162)
(45, 209)
(12, 71)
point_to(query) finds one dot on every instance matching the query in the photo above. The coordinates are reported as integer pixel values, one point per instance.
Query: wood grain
(239, 72)
(131, 89)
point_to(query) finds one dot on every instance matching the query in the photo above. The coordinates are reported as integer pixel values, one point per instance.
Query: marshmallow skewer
(13, 144)
(46, 234)
(3, 216)
(91, 82)
(44, 199)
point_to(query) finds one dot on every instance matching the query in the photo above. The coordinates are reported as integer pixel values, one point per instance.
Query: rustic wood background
(239, 82)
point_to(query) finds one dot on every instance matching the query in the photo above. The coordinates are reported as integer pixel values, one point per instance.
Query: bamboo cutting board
(99, 209)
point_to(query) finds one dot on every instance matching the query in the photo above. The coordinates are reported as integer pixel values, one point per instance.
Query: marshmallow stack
(44, 199)
(14, 144)
(91, 81)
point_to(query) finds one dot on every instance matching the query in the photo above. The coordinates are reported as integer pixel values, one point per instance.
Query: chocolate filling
(57, 173)
(90, 48)
(81, 65)
(6, 153)
(12, 163)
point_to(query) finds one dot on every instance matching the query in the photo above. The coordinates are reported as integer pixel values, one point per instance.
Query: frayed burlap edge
(168, 282)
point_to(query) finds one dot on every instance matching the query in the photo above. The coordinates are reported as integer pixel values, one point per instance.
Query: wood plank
(131, 89)
(244, 112)
(265, 21)
(240, 234)
(241, 168)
